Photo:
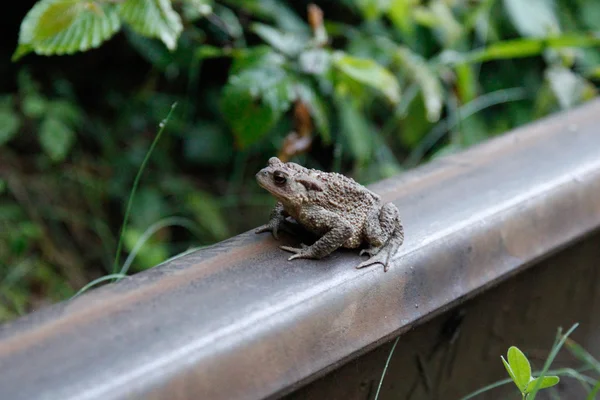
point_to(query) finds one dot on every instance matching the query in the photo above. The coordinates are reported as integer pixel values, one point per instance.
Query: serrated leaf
(289, 43)
(519, 364)
(423, 75)
(254, 100)
(9, 124)
(368, 72)
(533, 18)
(547, 381)
(153, 18)
(65, 27)
(56, 138)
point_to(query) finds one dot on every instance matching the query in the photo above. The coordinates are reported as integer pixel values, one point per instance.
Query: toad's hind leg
(384, 234)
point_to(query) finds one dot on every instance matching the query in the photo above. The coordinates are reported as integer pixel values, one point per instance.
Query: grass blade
(136, 183)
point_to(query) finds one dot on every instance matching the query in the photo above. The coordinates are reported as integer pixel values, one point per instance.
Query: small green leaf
(285, 42)
(533, 18)
(448, 28)
(569, 88)
(9, 125)
(257, 57)
(372, 9)
(254, 100)
(34, 105)
(368, 72)
(520, 367)
(196, 9)
(427, 80)
(153, 18)
(315, 61)
(509, 370)
(56, 138)
(399, 13)
(65, 27)
(547, 381)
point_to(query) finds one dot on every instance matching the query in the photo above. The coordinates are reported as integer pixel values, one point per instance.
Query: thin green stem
(97, 281)
(136, 183)
(550, 359)
(387, 363)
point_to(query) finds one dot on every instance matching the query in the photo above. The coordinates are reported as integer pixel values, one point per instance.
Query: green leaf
(65, 27)
(196, 9)
(430, 85)
(257, 57)
(209, 214)
(520, 368)
(448, 28)
(355, 129)
(34, 105)
(509, 370)
(317, 109)
(152, 252)
(285, 42)
(9, 125)
(533, 18)
(368, 72)
(56, 138)
(569, 88)
(254, 100)
(315, 61)
(547, 381)
(153, 18)
(399, 13)
(518, 48)
(372, 9)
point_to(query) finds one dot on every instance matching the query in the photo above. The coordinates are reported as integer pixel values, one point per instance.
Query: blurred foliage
(365, 87)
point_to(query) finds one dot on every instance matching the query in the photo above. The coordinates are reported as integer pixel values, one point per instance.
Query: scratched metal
(237, 321)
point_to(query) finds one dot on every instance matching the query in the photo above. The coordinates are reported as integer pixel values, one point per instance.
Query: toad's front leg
(276, 221)
(337, 232)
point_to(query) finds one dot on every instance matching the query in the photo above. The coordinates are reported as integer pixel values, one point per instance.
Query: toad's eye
(279, 178)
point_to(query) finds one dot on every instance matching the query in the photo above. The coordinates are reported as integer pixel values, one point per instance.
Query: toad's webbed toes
(382, 258)
(301, 252)
(371, 251)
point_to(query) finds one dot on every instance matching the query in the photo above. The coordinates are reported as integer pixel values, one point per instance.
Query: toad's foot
(381, 257)
(371, 251)
(302, 252)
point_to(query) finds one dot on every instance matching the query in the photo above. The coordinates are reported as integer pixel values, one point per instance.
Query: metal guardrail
(238, 321)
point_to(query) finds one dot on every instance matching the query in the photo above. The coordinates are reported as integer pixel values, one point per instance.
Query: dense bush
(365, 87)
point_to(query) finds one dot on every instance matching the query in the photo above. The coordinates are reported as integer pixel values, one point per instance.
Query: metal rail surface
(238, 321)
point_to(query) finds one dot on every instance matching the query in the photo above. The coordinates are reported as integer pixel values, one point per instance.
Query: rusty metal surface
(237, 321)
